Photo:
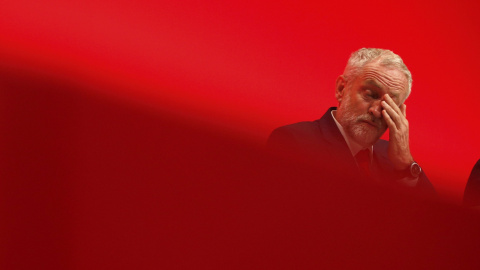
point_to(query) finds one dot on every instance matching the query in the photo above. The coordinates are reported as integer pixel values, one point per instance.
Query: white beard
(362, 133)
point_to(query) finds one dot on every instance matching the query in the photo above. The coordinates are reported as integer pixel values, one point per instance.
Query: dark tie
(363, 161)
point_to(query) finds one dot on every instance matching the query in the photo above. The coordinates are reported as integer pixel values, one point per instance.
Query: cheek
(360, 103)
(362, 107)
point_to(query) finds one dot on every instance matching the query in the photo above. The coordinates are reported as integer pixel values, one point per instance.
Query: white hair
(386, 58)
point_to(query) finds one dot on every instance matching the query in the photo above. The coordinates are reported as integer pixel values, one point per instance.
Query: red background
(236, 68)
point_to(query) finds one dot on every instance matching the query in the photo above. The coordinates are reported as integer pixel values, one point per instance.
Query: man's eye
(371, 94)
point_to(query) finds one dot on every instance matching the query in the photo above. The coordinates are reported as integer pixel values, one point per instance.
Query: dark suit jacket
(320, 143)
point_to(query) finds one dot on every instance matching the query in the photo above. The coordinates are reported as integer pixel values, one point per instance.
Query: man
(345, 142)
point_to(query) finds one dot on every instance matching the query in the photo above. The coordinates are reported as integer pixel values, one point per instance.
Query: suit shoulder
(295, 136)
(304, 127)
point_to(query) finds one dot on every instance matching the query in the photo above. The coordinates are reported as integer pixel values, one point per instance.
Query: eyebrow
(375, 84)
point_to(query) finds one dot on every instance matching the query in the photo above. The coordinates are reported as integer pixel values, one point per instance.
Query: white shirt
(352, 145)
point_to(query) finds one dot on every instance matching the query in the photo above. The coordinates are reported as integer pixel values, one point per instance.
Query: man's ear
(340, 88)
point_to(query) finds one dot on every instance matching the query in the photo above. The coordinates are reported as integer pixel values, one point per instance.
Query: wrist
(413, 170)
(405, 164)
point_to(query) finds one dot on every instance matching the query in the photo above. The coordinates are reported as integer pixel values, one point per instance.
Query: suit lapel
(339, 152)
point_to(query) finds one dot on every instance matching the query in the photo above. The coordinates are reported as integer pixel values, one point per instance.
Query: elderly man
(346, 140)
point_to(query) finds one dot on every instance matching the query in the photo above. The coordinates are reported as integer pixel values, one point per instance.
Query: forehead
(389, 80)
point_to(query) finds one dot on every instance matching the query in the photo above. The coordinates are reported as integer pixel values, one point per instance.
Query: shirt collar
(352, 145)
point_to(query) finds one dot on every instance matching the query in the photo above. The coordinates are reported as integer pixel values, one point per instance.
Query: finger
(390, 111)
(392, 103)
(403, 108)
(390, 123)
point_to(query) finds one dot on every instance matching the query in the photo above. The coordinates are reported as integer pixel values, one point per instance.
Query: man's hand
(398, 147)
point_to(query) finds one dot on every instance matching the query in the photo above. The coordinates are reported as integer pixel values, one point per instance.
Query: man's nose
(376, 109)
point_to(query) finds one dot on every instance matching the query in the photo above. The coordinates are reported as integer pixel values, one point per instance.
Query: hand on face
(396, 119)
